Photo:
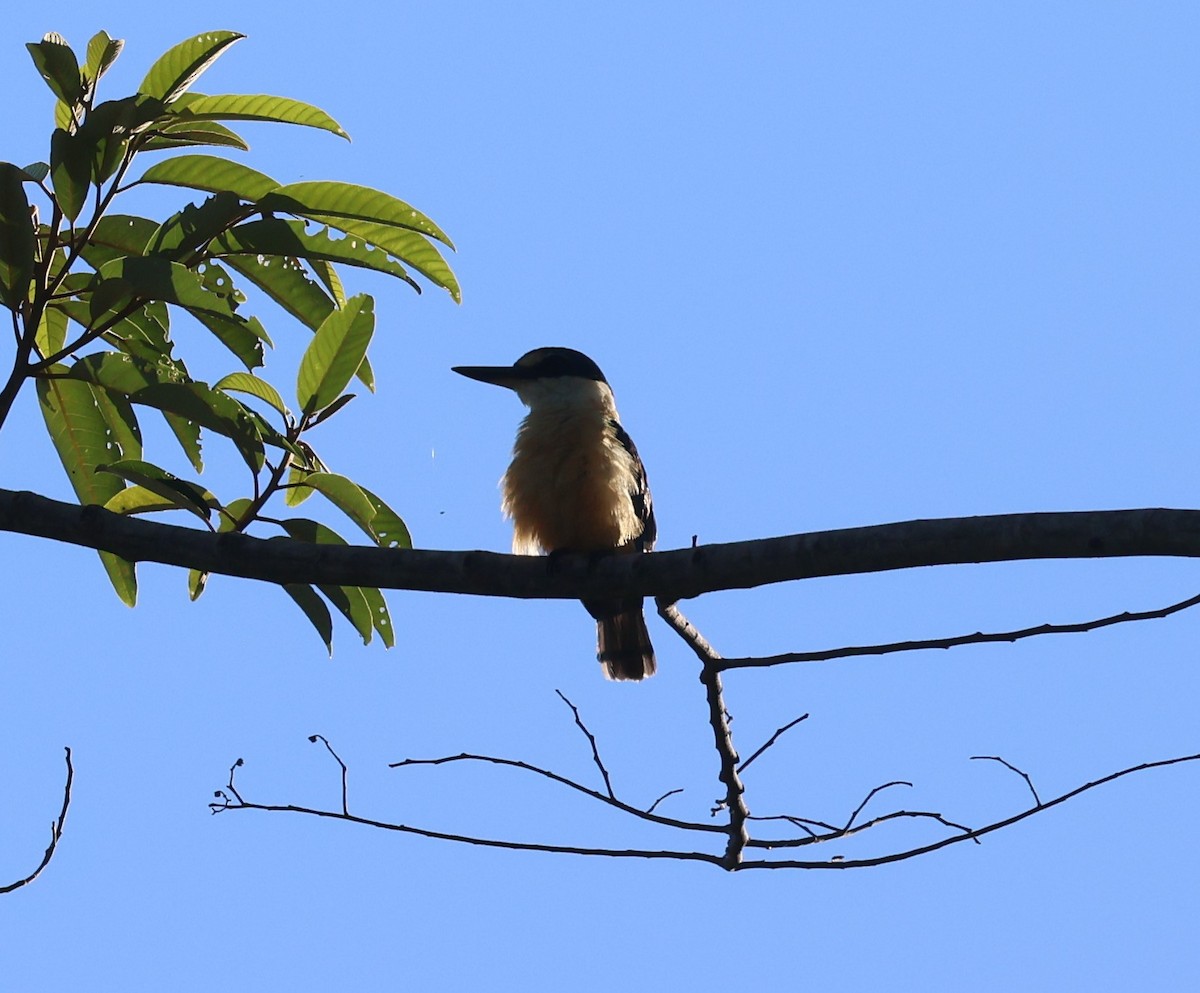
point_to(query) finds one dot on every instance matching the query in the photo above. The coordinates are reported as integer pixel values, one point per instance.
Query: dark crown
(549, 362)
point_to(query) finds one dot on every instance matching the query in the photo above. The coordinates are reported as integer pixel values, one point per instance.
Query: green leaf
(329, 201)
(121, 421)
(211, 174)
(139, 500)
(410, 247)
(160, 279)
(296, 492)
(285, 281)
(255, 107)
(189, 134)
(81, 437)
(17, 242)
(35, 172)
(314, 609)
(102, 52)
(117, 235)
(381, 618)
(211, 409)
(83, 441)
(58, 66)
(51, 332)
(275, 236)
(346, 495)
(227, 521)
(390, 530)
(109, 127)
(182, 494)
(66, 116)
(332, 409)
(123, 576)
(187, 433)
(70, 171)
(188, 231)
(328, 275)
(120, 373)
(244, 382)
(177, 68)
(335, 353)
(350, 601)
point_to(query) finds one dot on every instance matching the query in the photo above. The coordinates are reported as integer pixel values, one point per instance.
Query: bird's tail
(623, 643)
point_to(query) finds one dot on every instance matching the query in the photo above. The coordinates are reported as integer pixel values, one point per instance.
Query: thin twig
(719, 720)
(973, 835)
(56, 832)
(978, 638)
(518, 846)
(878, 789)
(833, 833)
(329, 748)
(770, 741)
(1009, 765)
(646, 815)
(650, 809)
(591, 741)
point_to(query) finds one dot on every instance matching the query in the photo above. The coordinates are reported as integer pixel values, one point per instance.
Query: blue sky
(844, 265)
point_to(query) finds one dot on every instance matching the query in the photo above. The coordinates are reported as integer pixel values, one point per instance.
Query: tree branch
(673, 575)
(56, 832)
(978, 638)
(719, 720)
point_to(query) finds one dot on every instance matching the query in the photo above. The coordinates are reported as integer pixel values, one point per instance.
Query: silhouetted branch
(591, 741)
(314, 738)
(723, 861)
(972, 835)
(56, 832)
(1024, 775)
(651, 808)
(978, 638)
(719, 720)
(770, 741)
(672, 575)
(646, 815)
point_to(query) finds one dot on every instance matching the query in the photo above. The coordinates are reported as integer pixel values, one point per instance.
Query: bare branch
(719, 720)
(591, 741)
(646, 815)
(832, 833)
(869, 797)
(314, 738)
(1024, 775)
(770, 741)
(466, 839)
(56, 832)
(651, 808)
(978, 638)
(722, 861)
(973, 835)
(672, 575)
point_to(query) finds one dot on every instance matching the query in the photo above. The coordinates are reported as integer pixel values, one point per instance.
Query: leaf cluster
(92, 294)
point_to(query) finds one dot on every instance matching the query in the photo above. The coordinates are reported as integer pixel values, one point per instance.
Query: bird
(577, 484)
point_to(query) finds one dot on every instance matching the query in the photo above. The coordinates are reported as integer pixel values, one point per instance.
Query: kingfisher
(577, 484)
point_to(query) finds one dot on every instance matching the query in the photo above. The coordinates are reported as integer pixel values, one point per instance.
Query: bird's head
(547, 377)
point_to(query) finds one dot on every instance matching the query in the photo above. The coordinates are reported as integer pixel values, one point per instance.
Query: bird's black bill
(497, 375)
